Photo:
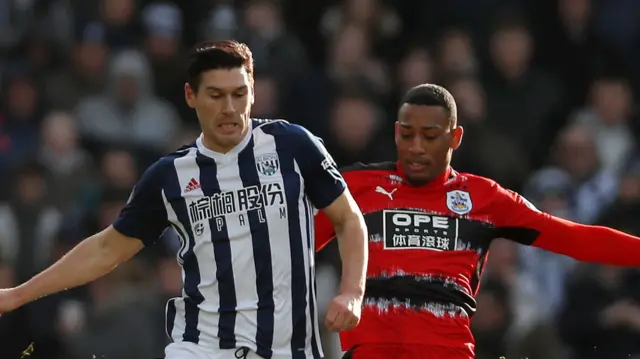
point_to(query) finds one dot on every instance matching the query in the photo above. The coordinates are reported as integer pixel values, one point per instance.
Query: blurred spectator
(602, 315)
(267, 97)
(273, 48)
(416, 67)
(128, 112)
(381, 21)
(221, 22)
(607, 117)
(356, 135)
(491, 324)
(119, 169)
(574, 51)
(119, 21)
(69, 165)
(163, 28)
(593, 188)
(550, 190)
(484, 150)
(456, 55)
(350, 65)
(84, 75)
(522, 100)
(625, 210)
(29, 223)
(19, 122)
(115, 300)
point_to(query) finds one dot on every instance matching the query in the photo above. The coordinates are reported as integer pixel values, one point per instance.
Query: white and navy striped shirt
(245, 221)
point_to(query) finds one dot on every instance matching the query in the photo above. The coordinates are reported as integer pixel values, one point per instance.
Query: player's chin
(418, 178)
(227, 137)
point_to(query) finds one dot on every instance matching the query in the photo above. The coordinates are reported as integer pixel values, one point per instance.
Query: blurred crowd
(92, 93)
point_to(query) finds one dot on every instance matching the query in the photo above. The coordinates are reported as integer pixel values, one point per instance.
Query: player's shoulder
(280, 128)
(370, 174)
(481, 187)
(362, 168)
(474, 182)
(166, 163)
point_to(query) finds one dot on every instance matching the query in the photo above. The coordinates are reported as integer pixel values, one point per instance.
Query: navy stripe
(312, 279)
(190, 265)
(261, 255)
(291, 183)
(223, 258)
(171, 316)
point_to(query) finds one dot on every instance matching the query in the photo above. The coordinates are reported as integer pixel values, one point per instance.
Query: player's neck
(212, 145)
(438, 180)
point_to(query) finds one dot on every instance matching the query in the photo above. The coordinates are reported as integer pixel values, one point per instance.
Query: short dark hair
(213, 55)
(432, 95)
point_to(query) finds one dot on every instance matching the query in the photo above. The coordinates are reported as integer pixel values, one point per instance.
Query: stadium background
(92, 93)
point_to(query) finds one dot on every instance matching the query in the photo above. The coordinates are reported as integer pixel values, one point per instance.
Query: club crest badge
(459, 202)
(268, 164)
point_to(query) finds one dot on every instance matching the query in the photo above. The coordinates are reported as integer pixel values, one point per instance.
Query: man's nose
(417, 146)
(228, 107)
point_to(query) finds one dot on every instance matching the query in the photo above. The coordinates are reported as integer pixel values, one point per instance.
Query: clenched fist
(343, 312)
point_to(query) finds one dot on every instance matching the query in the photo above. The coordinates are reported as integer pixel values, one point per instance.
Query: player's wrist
(20, 295)
(354, 291)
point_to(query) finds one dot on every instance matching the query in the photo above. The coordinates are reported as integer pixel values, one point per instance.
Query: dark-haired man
(241, 200)
(430, 229)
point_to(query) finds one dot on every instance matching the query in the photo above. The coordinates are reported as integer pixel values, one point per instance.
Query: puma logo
(384, 192)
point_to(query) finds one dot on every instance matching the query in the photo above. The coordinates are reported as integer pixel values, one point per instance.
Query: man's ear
(396, 132)
(189, 95)
(457, 137)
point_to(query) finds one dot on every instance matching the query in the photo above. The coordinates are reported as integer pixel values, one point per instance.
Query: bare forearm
(353, 243)
(89, 260)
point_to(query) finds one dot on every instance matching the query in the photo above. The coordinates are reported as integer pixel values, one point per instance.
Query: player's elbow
(115, 248)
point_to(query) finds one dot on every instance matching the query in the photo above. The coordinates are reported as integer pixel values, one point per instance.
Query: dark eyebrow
(218, 89)
(429, 127)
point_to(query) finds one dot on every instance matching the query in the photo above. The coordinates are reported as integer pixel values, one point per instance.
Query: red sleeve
(517, 219)
(323, 230)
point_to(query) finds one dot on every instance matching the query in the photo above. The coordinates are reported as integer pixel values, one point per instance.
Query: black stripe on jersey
(261, 256)
(292, 185)
(190, 265)
(171, 316)
(312, 278)
(222, 255)
(420, 291)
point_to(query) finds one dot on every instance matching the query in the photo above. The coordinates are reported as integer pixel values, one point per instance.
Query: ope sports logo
(405, 229)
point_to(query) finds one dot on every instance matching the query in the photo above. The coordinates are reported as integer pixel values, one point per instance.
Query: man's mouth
(228, 126)
(416, 166)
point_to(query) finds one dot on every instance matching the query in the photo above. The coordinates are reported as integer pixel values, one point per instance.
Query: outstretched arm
(141, 221)
(520, 221)
(89, 260)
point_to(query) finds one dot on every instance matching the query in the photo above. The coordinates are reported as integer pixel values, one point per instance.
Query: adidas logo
(192, 186)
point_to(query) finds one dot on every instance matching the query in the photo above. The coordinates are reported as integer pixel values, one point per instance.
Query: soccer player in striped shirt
(241, 198)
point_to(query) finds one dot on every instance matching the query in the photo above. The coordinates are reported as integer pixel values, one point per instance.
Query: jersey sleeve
(323, 181)
(518, 220)
(144, 216)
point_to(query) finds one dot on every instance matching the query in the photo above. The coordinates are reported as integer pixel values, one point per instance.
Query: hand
(617, 313)
(9, 300)
(343, 313)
